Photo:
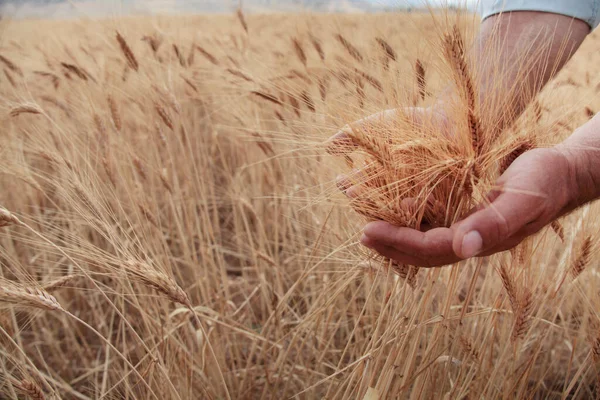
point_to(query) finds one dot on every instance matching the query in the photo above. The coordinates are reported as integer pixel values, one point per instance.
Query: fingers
(435, 245)
(515, 239)
(493, 225)
(341, 143)
(406, 259)
(349, 185)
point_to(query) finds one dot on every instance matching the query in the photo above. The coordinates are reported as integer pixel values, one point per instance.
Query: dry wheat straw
(420, 75)
(376, 147)
(148, 215)
(387, 49)
(27, 296)
(522, 146)
(165, 180)
(179, 55)
(589, 112)
(190, 84)
(30, 389)
(153, 42)
(60, 283)
(299, 51)
(581, 261)
(295, 104)
(454, 51)
(323, 82)
(81, 74)
(353, 51)
(58, 104)
(267, 96)
(264, 145)
(371, 80)
(318, 47)
(55, 79)
(522, 315)
(390, 54)
(212, 59)
(308, 101)
(24, 109)
(139, 166)
(7, 218)
(239, 74)
(164, 116)
(157, 280)
(469, 348)
(108, 170)
(509, 286)
(191, 55)
(10, 79)
(242, 19)
(11, 65)
(406, 272)
(294, 73)
(114, 112)
(127, 52)
(558, 229)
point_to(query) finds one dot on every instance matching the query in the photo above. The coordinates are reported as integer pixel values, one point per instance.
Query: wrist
(582, 154)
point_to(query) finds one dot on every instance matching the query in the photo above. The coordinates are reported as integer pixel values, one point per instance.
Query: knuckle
(501, 230)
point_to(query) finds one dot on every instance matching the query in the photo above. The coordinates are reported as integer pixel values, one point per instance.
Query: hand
(342, 144)
(538, 187)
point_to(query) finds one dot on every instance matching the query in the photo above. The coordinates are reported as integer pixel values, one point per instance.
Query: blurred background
(101, 8)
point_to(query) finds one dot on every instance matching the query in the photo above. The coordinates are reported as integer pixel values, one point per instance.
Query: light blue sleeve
(586, 10)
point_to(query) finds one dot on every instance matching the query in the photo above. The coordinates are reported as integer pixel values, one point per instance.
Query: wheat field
(171, 226)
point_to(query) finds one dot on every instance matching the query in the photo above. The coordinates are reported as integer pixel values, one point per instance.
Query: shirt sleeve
(586, 10)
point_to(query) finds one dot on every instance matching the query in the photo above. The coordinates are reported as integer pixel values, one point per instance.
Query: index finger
(433, 244)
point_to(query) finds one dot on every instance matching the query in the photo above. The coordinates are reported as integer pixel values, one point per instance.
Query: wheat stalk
(299, 51)
(24, 109)
(11, 65)
(179, 55)
(267, 96)
(522, 146)
(420, 76)
(318, 47)
(454, 51)
(81, 74)
(114, 112)
(156, 280)
(353, 51)
(581, 261)
(127, 52)
(164, 116)
(28, 296)
(242, 18)
(509, 286)
(30, 389)
(60, 283)
(7, 218)
(212, 59)
(522, 314)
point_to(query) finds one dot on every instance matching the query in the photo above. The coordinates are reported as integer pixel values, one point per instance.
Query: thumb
(494, 224)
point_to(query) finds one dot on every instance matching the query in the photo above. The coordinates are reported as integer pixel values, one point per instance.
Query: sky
(101, 8)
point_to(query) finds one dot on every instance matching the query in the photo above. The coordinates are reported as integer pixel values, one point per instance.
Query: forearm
(516, 54)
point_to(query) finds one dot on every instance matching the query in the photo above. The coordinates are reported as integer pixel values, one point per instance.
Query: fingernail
(471, 245)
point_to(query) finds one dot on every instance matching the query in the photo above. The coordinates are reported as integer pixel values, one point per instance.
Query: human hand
(342, 143)
(539, 186)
